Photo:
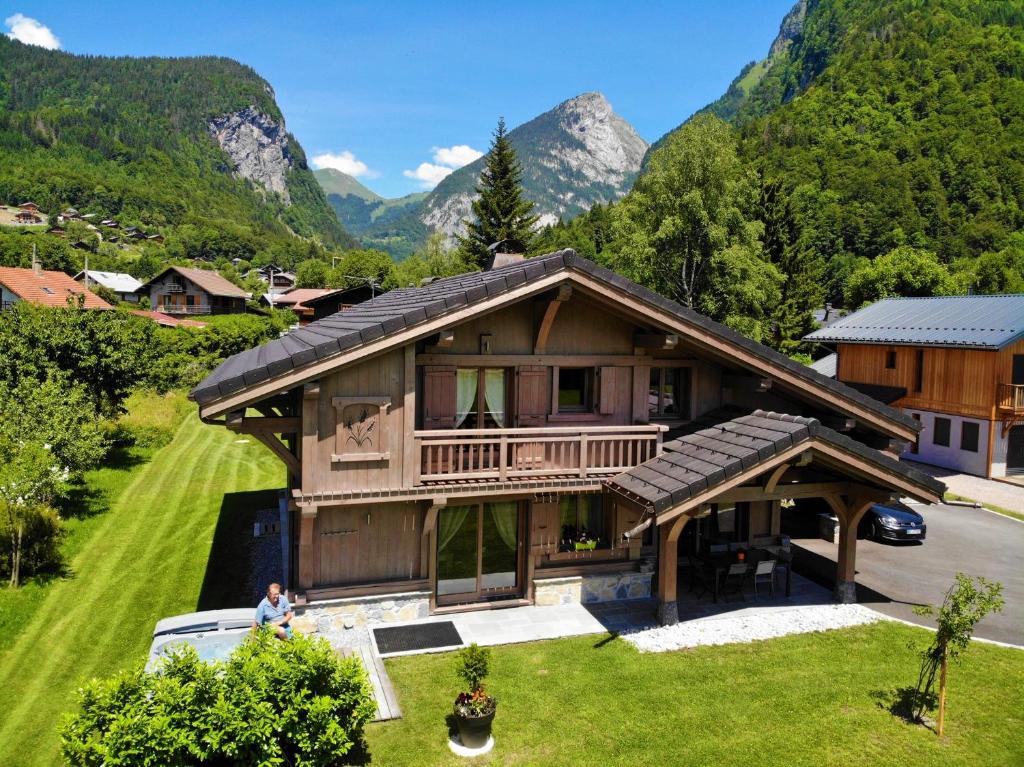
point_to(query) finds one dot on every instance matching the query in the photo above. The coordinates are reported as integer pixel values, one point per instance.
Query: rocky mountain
(576, 155)
(196, 146)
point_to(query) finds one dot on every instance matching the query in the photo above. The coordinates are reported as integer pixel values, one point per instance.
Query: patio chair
(765, 573)
(735, 578)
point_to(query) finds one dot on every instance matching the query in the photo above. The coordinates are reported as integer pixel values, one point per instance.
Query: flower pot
(474, 731)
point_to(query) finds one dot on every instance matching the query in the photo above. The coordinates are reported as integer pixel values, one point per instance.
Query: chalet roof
(206, 279)
(166, 320)
(47, 288)
(974, 322)
(393, 312)
(718, 450)
(116, 281)
(341, 293)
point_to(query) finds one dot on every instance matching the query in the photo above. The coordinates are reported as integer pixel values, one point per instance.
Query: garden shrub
(271, 702)
(41, 535)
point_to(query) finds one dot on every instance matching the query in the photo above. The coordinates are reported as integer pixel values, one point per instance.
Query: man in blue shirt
(275, 611)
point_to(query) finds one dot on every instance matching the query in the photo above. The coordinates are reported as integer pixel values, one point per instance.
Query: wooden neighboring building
(955, 363)
(181, 290)
(544, 432)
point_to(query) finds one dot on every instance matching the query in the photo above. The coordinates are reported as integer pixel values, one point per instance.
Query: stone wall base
(587, 589)
(356, 612)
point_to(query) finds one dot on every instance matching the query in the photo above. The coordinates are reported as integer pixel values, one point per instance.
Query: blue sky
(392, 83)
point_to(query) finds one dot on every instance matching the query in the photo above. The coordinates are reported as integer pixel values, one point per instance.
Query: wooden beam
(544, 360)
(269, 424)
(278, 448)
(806, 490)
(410, 456)
(774, 477)
(307, 524)
(445, 339)
(660, 341)
(563, 295)
(846, 565)
(668, 570)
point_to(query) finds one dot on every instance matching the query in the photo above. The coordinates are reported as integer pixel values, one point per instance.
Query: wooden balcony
(1010, 399)
(183, 309)
(450, 455)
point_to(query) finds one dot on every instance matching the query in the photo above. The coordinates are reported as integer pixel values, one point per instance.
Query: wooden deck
(383, 690)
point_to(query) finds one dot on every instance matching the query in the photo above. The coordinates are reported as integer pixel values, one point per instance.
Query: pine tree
(802, 269)
(501, 211)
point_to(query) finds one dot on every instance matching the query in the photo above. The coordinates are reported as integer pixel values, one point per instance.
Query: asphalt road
(894, 577)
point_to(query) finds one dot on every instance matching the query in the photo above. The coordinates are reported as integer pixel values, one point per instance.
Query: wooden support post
(849, 515)
(668, 570)
(307, 525)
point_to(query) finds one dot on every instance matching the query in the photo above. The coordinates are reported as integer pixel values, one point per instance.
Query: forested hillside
(892, 122)
(149, 141)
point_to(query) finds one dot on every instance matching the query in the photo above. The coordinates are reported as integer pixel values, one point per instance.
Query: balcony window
(575, 390)
(669, 393)
(583, 522)
(481, 398)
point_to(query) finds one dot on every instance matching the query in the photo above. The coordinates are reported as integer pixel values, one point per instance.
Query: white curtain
(494, 394)
(466, 395)
(506, 522)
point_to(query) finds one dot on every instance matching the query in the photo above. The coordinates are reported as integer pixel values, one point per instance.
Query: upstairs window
(668, 395)
(481, 398)
(890, 360)
(575, 390)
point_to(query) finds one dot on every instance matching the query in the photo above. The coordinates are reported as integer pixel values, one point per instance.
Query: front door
(479, 552)
(1015, 451)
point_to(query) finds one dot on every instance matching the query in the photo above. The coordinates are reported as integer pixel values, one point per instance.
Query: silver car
(214, 634)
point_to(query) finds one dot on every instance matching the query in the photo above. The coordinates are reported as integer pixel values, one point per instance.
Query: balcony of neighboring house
(171, 308)
(1010, 405)
(511, 454)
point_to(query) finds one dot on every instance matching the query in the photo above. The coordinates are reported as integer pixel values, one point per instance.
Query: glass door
(478, 552)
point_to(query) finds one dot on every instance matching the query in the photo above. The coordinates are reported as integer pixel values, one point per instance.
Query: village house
(124, 285)
(954, 363)
(543, 432)
(311, 304)
(28, 213)
(182, 290)
(38, 286)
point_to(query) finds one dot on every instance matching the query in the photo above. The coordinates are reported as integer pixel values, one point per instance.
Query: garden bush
(41, 533)
(270, 703)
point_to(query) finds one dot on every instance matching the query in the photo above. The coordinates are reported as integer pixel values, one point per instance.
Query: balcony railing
(1011, 399)
(513, 454)
(181, 309)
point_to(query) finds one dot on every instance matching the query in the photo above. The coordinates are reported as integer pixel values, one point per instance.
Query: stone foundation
(335, 615)
(599, 587)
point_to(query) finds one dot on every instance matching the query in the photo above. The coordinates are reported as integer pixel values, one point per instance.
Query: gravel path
(760, 624)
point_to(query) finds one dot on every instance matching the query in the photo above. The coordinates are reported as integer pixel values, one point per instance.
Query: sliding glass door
(479, 552)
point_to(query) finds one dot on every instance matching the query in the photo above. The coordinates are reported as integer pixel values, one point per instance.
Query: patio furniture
(701, 575)
(764, 572)
(735, 578)
(718, 548)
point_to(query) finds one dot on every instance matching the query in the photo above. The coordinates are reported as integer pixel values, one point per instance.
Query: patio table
(719, 563)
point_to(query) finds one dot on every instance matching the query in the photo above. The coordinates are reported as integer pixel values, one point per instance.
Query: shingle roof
(827, 365)
(116, 281)
(977, 322)
(708, 456)
(398, 309)
(206, 279)
(47, 288)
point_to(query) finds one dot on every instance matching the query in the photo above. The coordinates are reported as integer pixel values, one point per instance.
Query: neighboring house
(545, 432)
(335, 301)
(954, 363)
(826, 365)
(28, 213)
(181, 290)
(278, 280)
(123, 284)
(296, 299)
(38, 286)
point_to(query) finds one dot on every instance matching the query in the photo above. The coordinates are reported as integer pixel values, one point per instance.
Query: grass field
(144, 553)
(815, 699)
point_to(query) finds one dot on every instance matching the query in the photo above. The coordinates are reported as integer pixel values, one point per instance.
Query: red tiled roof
(47, 288)
(167, 320)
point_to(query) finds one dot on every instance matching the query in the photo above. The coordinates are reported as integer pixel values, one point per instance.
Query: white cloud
(346, 162)
(455, 156)
(31, 32)
(446, 159)
(428, 174)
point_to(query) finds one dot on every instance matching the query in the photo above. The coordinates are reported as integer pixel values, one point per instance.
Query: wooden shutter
(531, 395)
(608, 390)
(439, 397)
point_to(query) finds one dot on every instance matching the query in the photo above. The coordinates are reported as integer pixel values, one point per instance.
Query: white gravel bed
(766, 624)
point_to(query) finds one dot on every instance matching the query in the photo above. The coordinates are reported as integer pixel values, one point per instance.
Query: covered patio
(701, 493)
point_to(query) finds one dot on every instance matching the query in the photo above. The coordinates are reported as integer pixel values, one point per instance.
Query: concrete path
(895, 577)
(985, 491)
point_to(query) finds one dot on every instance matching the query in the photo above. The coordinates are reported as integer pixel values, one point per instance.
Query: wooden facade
(470, 458)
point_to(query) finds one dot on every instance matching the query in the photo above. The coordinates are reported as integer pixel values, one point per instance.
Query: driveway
(893, 578)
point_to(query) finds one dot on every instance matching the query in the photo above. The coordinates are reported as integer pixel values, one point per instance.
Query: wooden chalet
(182, 290)
(544, 432)
(953, 363)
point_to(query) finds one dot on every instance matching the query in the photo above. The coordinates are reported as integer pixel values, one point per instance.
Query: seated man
(274, 610)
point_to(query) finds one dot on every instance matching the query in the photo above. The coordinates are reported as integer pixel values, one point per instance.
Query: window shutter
(532, 393)
(439, 397)
(608, 389)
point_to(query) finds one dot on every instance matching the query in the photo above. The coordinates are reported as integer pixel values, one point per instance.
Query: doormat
(422, 636)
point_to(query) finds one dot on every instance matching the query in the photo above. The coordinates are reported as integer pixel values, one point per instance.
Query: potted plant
(474, 710)
(584, 542)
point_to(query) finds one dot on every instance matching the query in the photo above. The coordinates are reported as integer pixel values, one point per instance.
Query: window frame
(890, 359)
(948, 428)
(976, 427)
(481, 399)
(680, 373)
(605, 540)
(589, 403)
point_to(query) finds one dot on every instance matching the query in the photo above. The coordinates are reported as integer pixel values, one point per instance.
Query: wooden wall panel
(366, 544)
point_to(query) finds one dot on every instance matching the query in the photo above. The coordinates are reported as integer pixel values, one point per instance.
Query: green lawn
(997, 509)
(143, 554)
(816, 699)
